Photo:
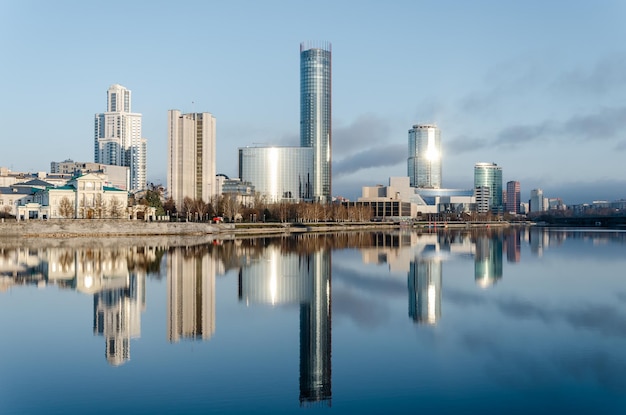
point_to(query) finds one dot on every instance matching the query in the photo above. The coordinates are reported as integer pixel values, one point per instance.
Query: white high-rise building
(191, 156)
(117, 138)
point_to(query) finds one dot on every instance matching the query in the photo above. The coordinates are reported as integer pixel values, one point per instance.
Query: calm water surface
(492, 321)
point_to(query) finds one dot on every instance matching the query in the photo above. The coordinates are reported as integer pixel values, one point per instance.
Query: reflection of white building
(190, 294)
(117, 317)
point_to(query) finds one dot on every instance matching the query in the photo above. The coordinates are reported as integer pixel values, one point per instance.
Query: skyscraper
(117, 138)
(315, 113)
(512, 197)
(424, 162)
(490, 175)
(191, 156)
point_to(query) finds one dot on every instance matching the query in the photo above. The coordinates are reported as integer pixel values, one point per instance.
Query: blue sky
(536, 87)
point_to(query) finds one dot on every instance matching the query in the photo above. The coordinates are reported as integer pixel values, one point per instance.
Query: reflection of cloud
(376, 285)
(363, 311)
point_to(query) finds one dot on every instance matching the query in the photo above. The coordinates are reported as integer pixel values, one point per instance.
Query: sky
(536, 87)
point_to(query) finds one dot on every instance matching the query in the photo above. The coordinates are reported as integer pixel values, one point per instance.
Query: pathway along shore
(108, 228)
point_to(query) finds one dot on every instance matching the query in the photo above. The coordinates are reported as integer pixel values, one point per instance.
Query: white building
(191, 156)
(118, 139)
(85, 197)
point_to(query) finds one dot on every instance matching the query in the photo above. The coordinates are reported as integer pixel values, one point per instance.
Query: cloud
(605, 76)
(605, 124)
(381, 156)
(366, 130)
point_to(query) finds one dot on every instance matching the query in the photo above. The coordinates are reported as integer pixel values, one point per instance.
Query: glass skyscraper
(315, 113)
(424, 162)
(489, 175)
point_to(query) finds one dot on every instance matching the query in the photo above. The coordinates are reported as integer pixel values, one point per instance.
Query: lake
(514, 321)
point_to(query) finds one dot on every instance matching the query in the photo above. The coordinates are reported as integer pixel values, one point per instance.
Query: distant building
(490, 175)
(513, 197)
(316, 114)
(118, 176)
(280, 174)
(424, 162)
(483, 198)
(536, 201)
(191, 156)
(118, 140)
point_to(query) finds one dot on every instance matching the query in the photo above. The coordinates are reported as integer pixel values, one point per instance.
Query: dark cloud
(605, 76)
(364, 131)
(605, 124)
(381, 156)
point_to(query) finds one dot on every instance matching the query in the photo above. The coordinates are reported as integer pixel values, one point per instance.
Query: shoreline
(90, 228)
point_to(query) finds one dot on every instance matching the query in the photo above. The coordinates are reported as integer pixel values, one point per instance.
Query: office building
(191, 156)
(280, 174)
(118, 140)
(424, 162)
(536, 201)
(490, 175)
(513, 197)
(316, 114)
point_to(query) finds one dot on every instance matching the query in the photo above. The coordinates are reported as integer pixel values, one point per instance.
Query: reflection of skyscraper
(190, 295)
(315, 113)
(488, 260)
(315, 332)
(425, 291)
(117, 317)
(281, 278)
(513, 246)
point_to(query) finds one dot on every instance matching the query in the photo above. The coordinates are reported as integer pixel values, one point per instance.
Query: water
(491, 321)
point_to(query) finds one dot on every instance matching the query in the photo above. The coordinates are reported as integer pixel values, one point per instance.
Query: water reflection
(190, 294)
(278, 277)
(296, 271)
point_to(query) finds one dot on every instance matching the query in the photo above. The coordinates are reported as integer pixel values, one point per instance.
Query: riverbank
(60, 228)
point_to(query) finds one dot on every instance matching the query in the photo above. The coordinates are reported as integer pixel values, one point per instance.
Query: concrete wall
(98, 227)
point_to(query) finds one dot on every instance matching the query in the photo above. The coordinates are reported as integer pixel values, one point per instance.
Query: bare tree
(66, 208)
(115, 207)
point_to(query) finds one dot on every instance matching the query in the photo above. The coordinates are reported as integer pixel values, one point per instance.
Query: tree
(169, 206)
(66, 208)
(100, 207)
(116, 208)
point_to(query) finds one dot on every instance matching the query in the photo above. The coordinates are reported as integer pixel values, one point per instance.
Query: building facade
(316, 114)
(278, 173)
(513, 197)
(117, 137)
(536, 201)
(490, 175)
(191, 156)
(424, 162)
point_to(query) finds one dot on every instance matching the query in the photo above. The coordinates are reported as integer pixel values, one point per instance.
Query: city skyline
(530, 101)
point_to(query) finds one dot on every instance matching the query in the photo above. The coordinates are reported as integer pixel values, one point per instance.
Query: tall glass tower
(315, 113)
(489, 175)
(424, 162)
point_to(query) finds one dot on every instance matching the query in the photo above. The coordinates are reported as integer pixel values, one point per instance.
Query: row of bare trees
(229, 207)
(98, 209)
